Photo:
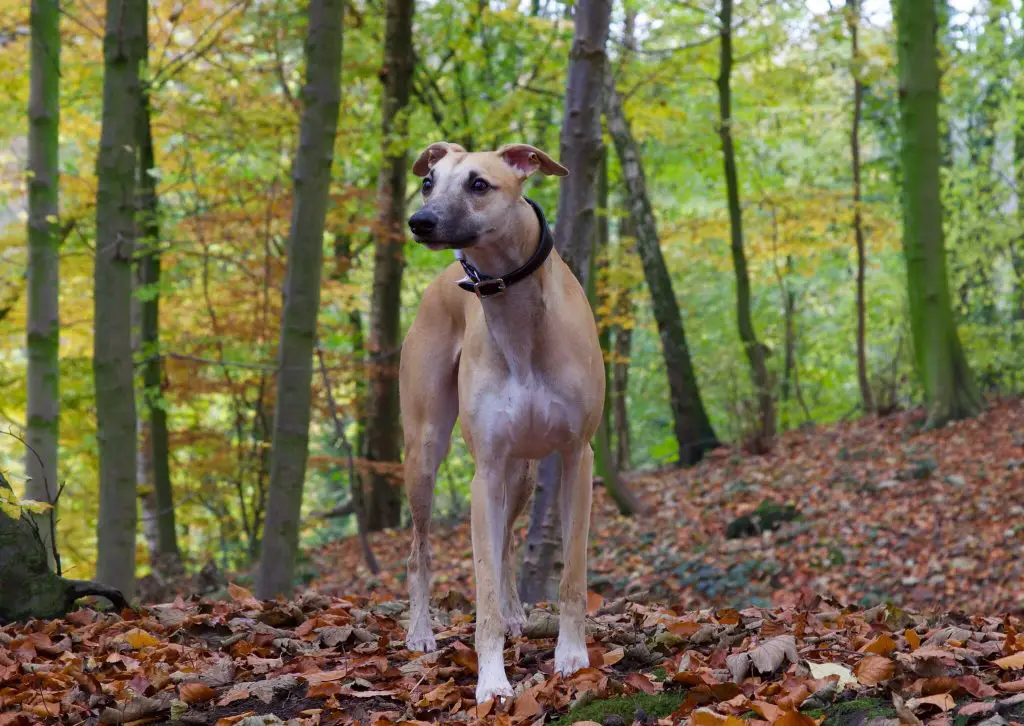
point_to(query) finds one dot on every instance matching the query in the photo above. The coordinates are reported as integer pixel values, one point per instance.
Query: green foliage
(657, 705)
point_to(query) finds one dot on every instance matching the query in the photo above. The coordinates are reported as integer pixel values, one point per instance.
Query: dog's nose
(423, 223)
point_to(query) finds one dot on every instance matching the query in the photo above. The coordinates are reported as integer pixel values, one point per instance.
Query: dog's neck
(513, 317)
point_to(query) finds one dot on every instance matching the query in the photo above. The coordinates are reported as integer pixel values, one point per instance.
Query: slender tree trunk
(575, 230)
(312, 180)
(949, 387)
(383, 428)
(756, 352)
(624, 499)
(43, 266)
(692, 426)
(156, 454)
(620, 380)
(853, 18)
(123, 51)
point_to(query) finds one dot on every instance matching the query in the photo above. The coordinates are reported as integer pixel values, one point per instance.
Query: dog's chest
(530, 415)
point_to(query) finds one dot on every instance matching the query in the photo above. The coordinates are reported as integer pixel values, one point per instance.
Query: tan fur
(524, 375)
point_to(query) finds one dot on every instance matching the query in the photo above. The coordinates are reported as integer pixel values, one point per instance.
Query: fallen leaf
(976, 708)
(882, 645)
(905, 714)
(771, 654)
(874, 669)
(943, 701)
(612, 657)
(707, 717)
(192, 693)
(1011, 662)
(1012, 686)
(825, 670)
(738, 665)
(769, 710)
(594, 602)
(138, 638)
(795, 718)
(525, 706)
(913, 639)
(642, 683)
(974, 686)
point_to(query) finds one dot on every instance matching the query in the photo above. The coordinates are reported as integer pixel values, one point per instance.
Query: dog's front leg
(489, 502)
(576, 495)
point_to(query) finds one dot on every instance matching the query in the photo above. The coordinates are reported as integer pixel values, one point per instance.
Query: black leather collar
(486, 286)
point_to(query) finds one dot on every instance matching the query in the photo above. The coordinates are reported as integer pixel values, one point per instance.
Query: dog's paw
(570, 658)
(492, 686)
(421, 638)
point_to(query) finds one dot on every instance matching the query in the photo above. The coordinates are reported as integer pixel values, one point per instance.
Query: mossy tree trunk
(43, 264)
(123, 51)
(693, 430)
(756, 352)
(575, 231)
(950, 391)
(311, 176)
(156, 447)
(383, 429)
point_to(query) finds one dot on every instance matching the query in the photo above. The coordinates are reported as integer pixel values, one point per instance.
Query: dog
(504, 341)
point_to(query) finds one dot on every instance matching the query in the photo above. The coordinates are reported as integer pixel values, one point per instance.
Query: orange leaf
(641, 683)
(882, 645)
(795, 718)
(613, 656)
(874, 669)
(526, 706)
(1013, 686)
(324, 690)
(464, 656)
(594, 602)
(138, 638)
(768, 710)
(684, 628)
(192, 693)
(707, 717)
(913, 639)
(1011, 662)
(242, 596)
(943, 701)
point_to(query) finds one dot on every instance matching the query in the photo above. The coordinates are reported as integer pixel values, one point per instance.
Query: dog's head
(469, 198)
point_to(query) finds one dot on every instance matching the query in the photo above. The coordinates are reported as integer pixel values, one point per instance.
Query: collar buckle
(489, 288)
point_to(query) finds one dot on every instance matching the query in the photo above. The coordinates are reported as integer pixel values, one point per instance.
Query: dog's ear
(526, 159)
(433, 154)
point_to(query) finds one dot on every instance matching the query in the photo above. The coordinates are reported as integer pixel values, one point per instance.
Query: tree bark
(755, 351)
(156, 454)
(312, 180)
(383, 428)
(853, 18)
(43, 343)
(604, 466)
(123, 51)
(575, 229)
(691, 424)
(950, 391)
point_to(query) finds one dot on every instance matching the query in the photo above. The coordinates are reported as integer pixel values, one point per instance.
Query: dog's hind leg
(576, 497)
(521, 480)
(430, 405)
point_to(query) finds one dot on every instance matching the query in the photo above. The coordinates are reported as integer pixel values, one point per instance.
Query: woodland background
(224, 86)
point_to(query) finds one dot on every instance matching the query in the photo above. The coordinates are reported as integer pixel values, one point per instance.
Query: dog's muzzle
(423, 223)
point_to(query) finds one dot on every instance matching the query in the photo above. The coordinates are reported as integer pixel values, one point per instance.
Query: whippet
(505, 341)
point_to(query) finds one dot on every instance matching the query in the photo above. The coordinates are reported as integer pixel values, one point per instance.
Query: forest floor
(894, 596)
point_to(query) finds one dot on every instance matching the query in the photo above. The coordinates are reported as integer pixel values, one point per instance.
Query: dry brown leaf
(905, 714)
(642, 683)
(594, 602)
(612, 657)
(138, 638)
(976, 708)
(942, 701)
(770, 711)
(707, 717)
(771, 654)
(525, 706)
(874, 669)
(192, 693)
(882, 645)
(1013, 686)
(913, 639)
(795, 718)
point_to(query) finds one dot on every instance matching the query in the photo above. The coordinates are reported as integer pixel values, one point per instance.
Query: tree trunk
(692, 426)
(156, 454)
(43, 342)
(123, 51)
(575, 230)
(950, 391)
(312, 180)
(383, 428)
(756, 352)
(624, 499)
(858, 228)
(31, 589)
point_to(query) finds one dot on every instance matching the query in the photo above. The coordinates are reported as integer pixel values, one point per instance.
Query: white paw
(570, 658)
(421, 638)
(492, 686)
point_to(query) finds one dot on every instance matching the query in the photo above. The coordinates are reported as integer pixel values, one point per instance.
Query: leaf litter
(775, 649)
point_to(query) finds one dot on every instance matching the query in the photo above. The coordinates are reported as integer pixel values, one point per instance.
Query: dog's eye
(479, 185)
(428, 184)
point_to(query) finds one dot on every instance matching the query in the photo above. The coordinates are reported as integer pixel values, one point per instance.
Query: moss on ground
(858, 711)
(657, 705)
